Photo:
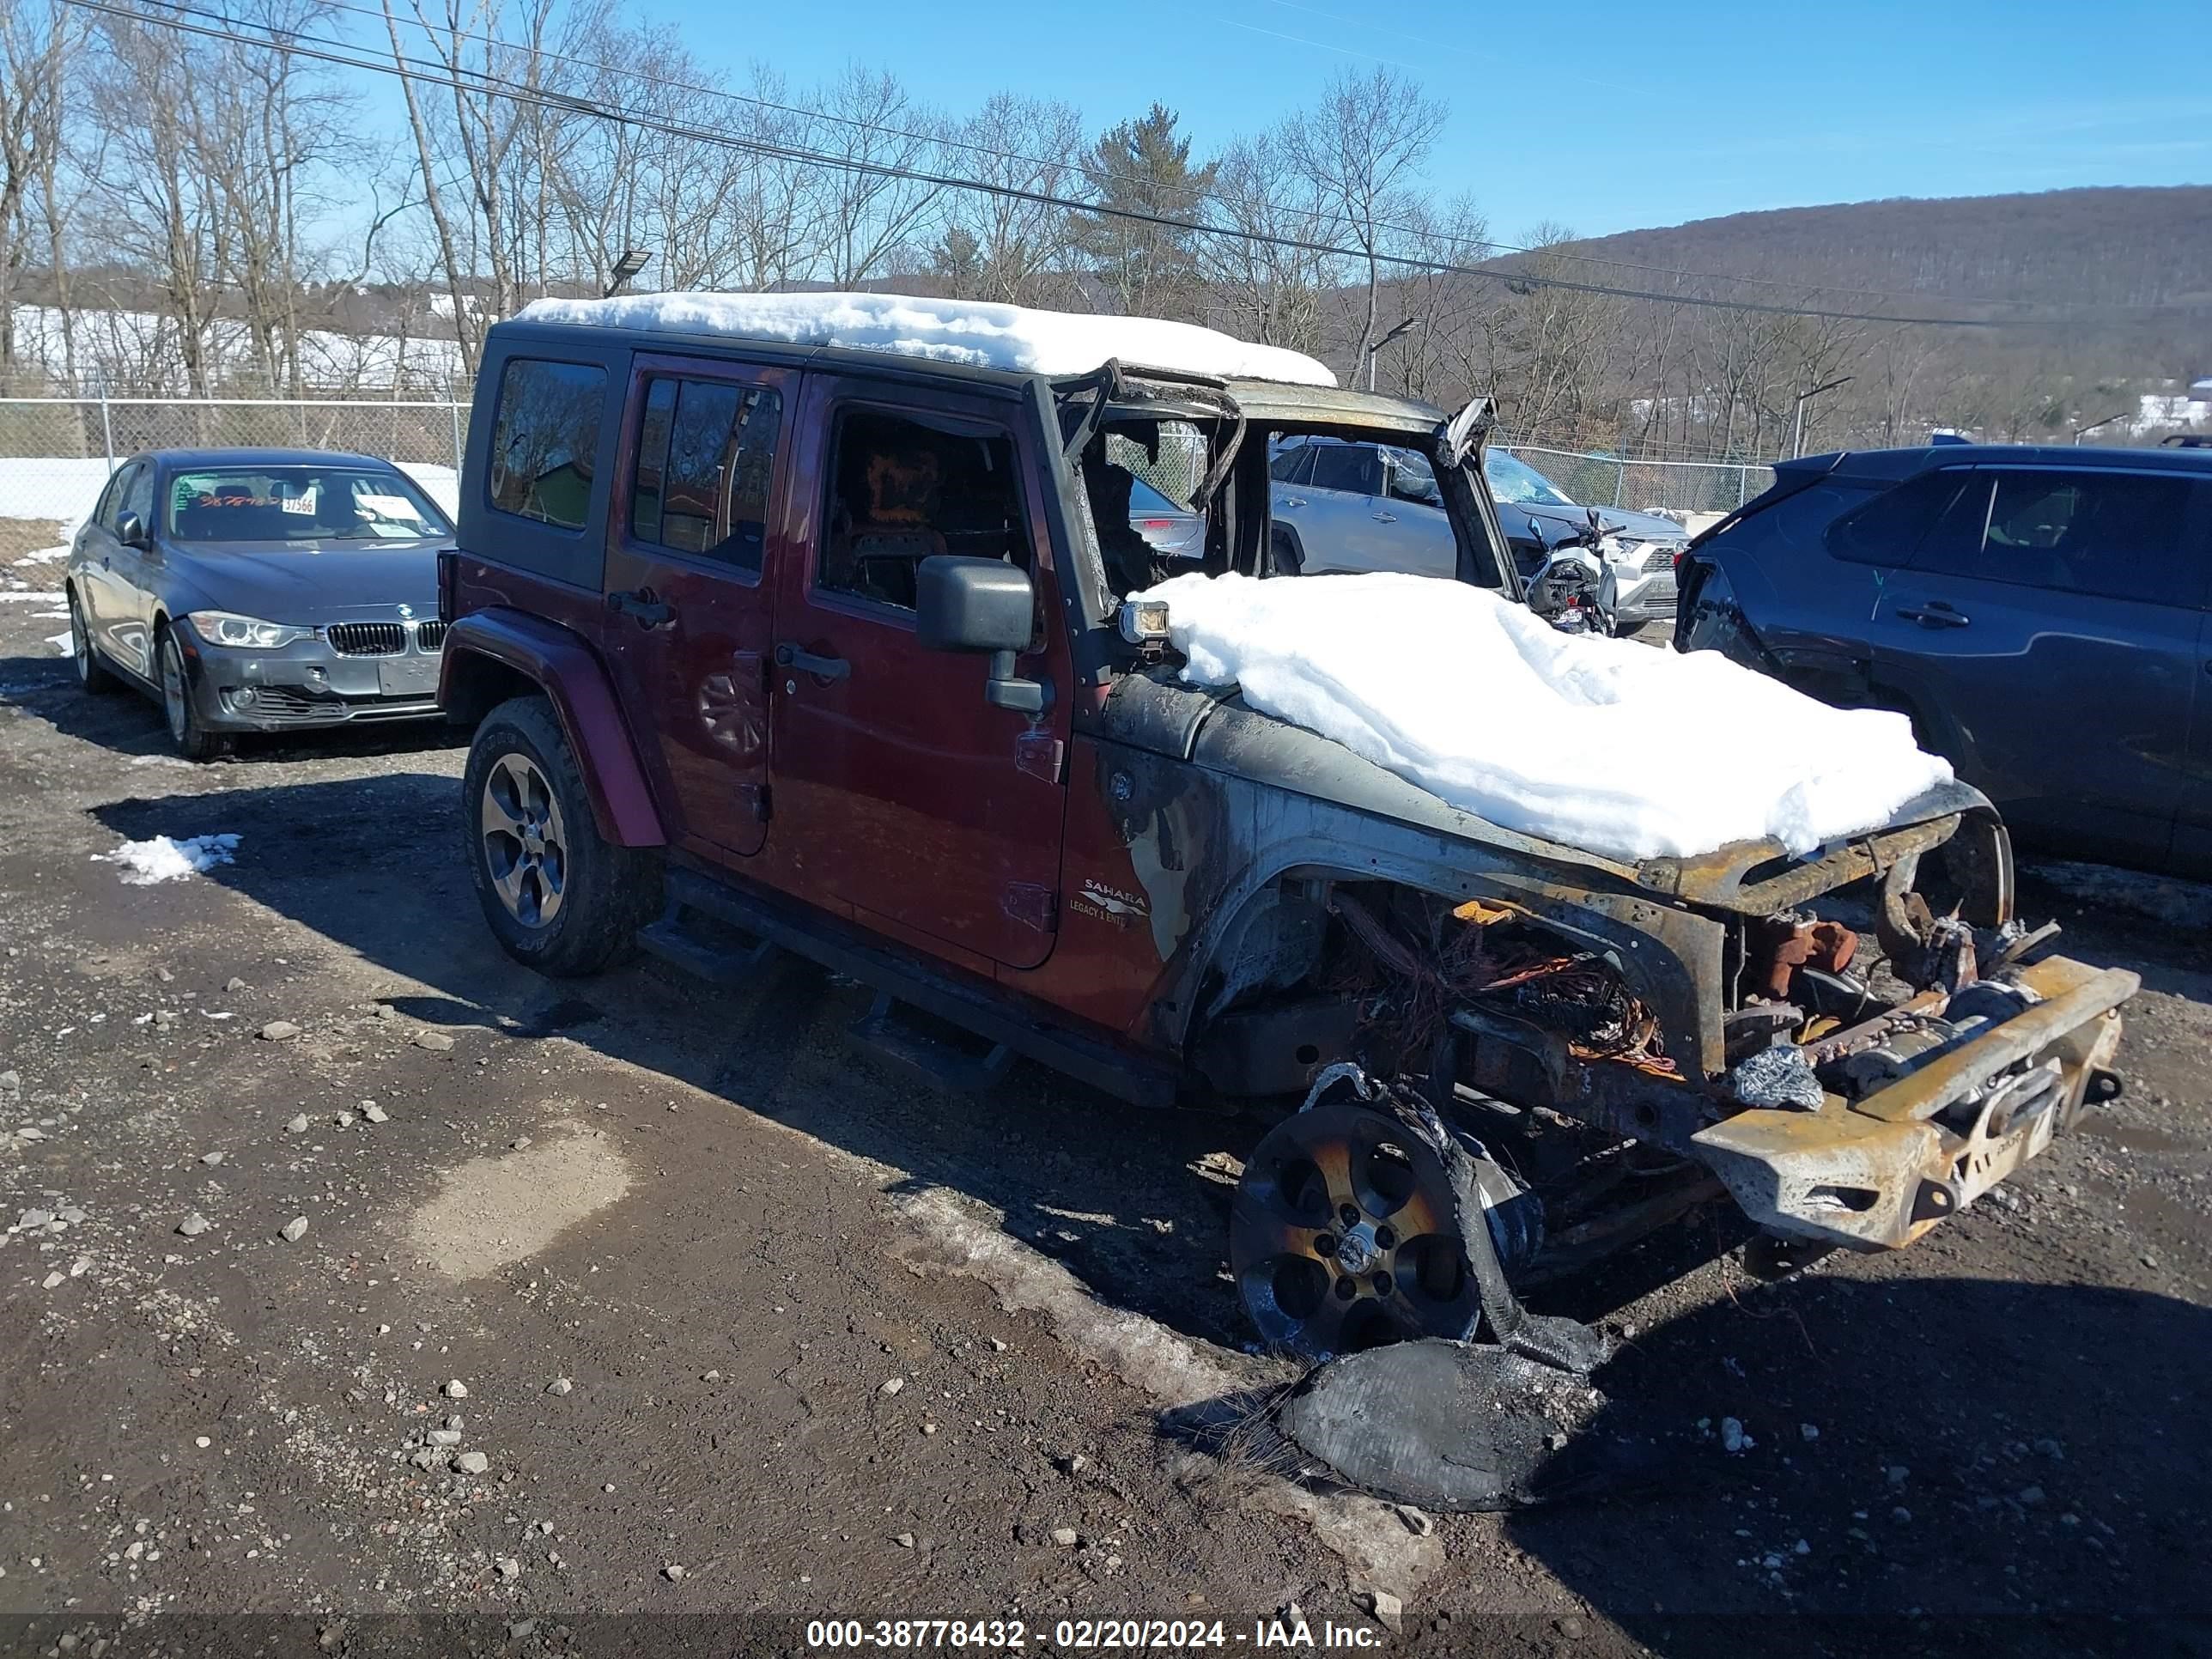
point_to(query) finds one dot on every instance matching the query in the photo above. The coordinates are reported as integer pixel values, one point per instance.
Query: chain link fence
(1647, 486)
(56, 453)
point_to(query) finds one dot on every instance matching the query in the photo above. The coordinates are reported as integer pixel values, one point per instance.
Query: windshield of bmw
(300, 504)
(1512, 479)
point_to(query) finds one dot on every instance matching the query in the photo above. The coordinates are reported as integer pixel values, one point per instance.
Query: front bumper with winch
(1878, 1172)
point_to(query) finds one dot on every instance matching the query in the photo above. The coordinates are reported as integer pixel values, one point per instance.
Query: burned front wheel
(1345, 1234)
(558, 896)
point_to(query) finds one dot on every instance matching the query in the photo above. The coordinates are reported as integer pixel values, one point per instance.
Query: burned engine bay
(1867, 1058)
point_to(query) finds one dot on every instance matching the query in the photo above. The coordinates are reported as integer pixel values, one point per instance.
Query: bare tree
(868, 212)
(1270, 289)
(38, 45)
(1008, 248)
(1361, 149)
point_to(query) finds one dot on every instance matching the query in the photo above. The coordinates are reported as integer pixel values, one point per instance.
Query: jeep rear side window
(545, 441)
(901, 490)
(706, 451)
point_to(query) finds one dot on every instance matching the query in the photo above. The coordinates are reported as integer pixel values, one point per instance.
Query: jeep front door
(695, 523)
(902, 799)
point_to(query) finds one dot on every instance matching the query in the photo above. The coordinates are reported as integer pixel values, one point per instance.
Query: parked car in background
(260, 590)
(1345, 506)
(1638, 549)
(2040, 613)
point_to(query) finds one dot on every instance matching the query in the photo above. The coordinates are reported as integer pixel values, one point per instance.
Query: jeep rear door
(694, 525)
(901, 798)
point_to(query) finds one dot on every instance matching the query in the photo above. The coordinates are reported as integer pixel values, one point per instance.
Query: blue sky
(1605, 116)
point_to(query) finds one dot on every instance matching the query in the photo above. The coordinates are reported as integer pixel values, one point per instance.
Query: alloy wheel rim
(80, 639)
(1343, 1234)
(524, 840)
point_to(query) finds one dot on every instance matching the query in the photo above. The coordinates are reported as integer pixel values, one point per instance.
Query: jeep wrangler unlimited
(775, 647)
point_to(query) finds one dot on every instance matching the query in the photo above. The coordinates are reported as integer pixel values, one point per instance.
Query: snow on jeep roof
(969, 332)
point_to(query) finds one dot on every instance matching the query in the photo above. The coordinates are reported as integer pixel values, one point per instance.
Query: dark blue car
(2040, 613)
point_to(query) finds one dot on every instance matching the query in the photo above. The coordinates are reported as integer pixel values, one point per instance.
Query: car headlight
(227, 629)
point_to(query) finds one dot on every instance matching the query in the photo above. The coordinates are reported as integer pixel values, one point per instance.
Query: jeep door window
(546, 439)
(902, 490)
(705, 454)
(2112, 535)
(1292, 463)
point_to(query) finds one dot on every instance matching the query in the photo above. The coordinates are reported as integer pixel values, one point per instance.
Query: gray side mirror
(130, 530)
(984, 606)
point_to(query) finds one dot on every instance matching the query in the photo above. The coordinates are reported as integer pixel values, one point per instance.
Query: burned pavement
(749, 1328)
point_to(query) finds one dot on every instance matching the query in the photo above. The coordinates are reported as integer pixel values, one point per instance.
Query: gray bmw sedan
(260, 590)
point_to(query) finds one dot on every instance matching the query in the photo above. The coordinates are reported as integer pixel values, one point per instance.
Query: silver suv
(1339, 506)
(1350, 506)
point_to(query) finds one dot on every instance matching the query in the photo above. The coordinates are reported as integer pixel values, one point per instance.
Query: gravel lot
(630, 1296)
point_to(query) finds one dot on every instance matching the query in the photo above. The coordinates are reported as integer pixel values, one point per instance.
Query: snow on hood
(970, 332)
(1613, 747)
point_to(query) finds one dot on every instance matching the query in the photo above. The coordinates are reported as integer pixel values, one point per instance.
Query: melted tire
(608, 891)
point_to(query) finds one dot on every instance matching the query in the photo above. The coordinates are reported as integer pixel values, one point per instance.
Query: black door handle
(788, 655)
(648, 611)
(1935, 614)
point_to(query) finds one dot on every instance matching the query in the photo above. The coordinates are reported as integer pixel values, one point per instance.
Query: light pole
(1797, 411)
(1375, 350)
(632, 261)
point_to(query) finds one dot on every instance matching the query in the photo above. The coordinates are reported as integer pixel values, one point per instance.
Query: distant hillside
(2108, 246)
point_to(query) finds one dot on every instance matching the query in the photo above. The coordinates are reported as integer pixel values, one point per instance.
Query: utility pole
(1375, 350)
(1797, 412)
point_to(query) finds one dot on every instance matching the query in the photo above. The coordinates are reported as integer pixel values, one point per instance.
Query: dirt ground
(752, 1334)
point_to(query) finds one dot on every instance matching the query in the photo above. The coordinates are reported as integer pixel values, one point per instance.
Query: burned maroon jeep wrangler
(774, 645)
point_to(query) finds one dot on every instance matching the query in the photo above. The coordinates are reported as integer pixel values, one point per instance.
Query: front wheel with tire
(558, 896)
(193, 741)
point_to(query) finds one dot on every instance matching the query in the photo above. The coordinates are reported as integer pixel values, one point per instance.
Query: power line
(482, 82)
(1101, 175)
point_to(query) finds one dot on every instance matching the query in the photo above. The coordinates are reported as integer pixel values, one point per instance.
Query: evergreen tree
(1143, 165)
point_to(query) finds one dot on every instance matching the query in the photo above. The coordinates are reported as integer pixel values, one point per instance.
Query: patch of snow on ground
(971, 331)
(58, 487)
(1603, 745)
(42, 599)
(63, 643)
(146, 862)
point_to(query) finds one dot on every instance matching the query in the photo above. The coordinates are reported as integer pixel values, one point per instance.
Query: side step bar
(924, 1057)
(1098, 1064)
(673, 943)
